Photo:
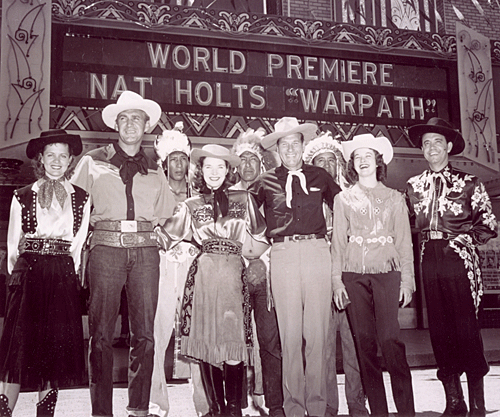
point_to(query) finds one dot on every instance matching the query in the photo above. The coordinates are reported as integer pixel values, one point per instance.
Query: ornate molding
(165, 17)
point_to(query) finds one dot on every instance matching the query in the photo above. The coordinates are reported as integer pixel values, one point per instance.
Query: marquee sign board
(205, 75)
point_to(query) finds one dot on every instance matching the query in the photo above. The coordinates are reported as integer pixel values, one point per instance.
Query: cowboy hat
(287, 126)
(380, 143)
(323, 143)
(36, 145)
(129, 100)
(215, 151)
(441, 126)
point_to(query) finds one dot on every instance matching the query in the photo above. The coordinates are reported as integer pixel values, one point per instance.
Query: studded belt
(47, 246)
(124, 240)
(221, 246)
(435, 235)
(124, 226)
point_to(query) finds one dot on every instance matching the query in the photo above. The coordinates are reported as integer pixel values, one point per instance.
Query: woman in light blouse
(372, 267)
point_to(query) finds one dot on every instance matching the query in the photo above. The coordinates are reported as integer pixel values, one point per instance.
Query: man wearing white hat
(326, 152)
(292, 196)
(454, 215)
(130, 196)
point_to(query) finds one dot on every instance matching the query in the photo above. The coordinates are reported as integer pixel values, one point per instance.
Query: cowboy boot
(212, 379)
(476, 396)
(455, 404)
(47, 406)
(233, 378)
(5, 411)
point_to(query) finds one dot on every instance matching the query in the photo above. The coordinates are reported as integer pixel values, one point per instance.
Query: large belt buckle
(128, 226)
(47, 245)
(127, 240)
(435, 235)
(295, 238)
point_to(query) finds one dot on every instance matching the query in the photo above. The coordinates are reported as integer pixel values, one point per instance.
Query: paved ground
(429, 398)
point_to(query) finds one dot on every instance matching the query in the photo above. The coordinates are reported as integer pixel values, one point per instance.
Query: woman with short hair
(216, 312)
(372, 266)
(41, 348)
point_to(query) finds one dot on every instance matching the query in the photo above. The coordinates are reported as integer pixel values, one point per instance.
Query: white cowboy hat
(323, 143)
(215, 151)
(380, 143)
(129, 100)
(287, 126)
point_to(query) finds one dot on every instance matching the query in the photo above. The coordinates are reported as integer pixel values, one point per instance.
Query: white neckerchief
(288, 186)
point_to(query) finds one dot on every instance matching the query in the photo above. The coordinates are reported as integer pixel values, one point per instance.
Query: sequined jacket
(371, 234)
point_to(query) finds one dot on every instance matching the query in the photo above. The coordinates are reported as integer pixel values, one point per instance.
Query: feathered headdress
(326, 143)
(250, 141)
(172, 141)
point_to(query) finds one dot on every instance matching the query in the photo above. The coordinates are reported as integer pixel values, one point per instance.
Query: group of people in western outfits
(258, 257)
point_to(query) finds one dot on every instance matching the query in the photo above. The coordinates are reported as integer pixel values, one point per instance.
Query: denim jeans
(269, 345)
(110, 269)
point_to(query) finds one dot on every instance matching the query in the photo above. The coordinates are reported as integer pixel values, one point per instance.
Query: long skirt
(42, 340)
(216, 321)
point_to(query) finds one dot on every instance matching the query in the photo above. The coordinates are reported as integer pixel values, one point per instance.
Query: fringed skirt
(215, 318)
(42, 340)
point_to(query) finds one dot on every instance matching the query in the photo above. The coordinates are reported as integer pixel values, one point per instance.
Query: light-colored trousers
(174, 266)
(302, 291)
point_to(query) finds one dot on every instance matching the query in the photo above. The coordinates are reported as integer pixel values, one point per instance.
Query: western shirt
(305, 216)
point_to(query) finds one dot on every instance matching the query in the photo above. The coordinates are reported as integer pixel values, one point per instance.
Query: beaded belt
(296, 238)
(381, 239)
(124, 226)
(47, 246)
(124, 240)
(221, 246)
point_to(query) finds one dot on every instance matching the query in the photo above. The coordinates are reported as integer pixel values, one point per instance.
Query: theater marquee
(214, 76)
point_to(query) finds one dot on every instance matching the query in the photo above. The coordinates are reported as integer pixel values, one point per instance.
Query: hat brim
(232, 159)
(417, 131)
(308, 130)
(36, 146)
(380, 143)
(150, 107)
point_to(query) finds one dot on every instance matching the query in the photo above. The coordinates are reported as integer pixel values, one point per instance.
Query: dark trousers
(373, 315)
(269, 343)
(111, 269)
(453, 326)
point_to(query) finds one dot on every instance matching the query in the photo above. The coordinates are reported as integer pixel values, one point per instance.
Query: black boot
(455, 404)
(233, 382)
(476, 396)
(47, 406)
(213, 383)
(5, 411)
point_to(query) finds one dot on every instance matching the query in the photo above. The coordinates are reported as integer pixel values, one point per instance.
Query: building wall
(488, 25)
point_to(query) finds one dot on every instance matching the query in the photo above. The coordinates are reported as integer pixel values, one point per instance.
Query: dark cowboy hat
(441, 126)
(36, 145)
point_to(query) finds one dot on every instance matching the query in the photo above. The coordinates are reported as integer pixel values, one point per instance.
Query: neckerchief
(50, 187)
(129, 165)
(288, 186)
(221, 203)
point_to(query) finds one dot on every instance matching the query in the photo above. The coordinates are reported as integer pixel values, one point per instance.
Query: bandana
(48, 189)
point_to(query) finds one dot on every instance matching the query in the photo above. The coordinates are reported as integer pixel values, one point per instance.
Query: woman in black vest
(41, 348)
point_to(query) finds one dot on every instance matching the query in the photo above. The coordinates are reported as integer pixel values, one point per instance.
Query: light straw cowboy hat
(287, 126)
(215, 151)
(380, 143)
(129, 100)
